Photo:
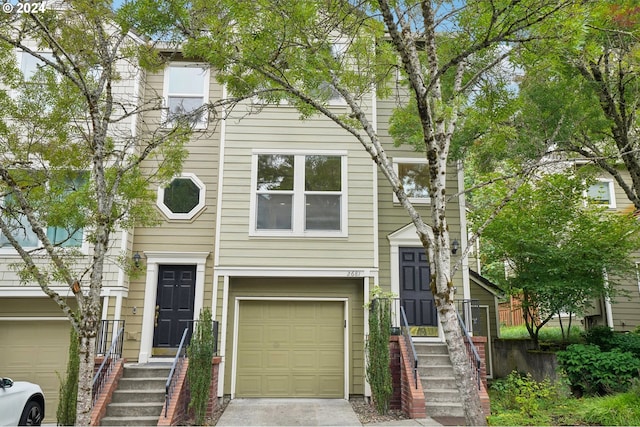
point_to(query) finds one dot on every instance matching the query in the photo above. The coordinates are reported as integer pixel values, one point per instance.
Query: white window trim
(202, 124)
(612, 194)
(193, 212)
(297, 220)
(415, 161)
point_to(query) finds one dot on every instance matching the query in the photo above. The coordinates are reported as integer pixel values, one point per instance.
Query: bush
(629, 343)
(377, 347)
(66, 411)
(200, 352)
(594, 372)
(522, 392)
(602, 336)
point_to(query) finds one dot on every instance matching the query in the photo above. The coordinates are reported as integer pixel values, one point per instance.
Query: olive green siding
(485, 298)
(305, 288)
(171, 235)
(625, 309)
(279, 129)
(392, 216)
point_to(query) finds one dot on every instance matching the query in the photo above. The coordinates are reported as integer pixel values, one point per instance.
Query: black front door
(174, 305)
(415, 293)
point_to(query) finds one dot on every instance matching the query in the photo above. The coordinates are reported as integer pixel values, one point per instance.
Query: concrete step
(445, 382)
(430, 348)
(435, 371)
(442, 395)
(149, 370)
(129, 421)
(135, 409)
(435, 359)
(444, 409)
(142, 383)
(124, 396)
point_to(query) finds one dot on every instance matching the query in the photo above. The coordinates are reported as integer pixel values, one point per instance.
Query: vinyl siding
(392, 216)
(170, 235)
(279, 128)
(306, 287)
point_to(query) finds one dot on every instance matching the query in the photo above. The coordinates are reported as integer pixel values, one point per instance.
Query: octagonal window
(183, 198)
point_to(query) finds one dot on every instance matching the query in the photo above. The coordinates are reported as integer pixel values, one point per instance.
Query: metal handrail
(176, 367)
(406, 334)
(472, 352)
(114, 352)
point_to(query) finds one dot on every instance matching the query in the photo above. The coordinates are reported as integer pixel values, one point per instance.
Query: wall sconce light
(136, 259)
(455, 245)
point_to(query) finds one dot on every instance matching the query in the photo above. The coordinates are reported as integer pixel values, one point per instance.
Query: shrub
(629, 343)
(377, 346)
(200, 352)
(594, 372)
(522, 392)
(66, 411)
(602, 336)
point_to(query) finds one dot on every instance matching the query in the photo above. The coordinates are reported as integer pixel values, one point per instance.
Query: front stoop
(441, 395)
(139, 398)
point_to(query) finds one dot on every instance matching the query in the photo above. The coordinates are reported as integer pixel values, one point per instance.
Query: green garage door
(290, 349)
(34, 350)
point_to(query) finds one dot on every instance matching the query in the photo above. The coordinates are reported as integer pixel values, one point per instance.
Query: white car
(21, 403)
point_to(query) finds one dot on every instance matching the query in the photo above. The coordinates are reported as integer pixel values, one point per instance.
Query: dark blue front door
(415, 293)
(174, 304)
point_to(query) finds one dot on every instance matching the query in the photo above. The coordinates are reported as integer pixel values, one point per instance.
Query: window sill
(309, 235)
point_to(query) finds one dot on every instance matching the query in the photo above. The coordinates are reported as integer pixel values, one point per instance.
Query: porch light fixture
(455, 245)
(136, 259)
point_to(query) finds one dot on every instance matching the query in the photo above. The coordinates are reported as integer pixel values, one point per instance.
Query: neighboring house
(621, 313)
(34, 332)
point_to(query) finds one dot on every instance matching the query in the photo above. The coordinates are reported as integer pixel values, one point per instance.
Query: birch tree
(70, 159)
(306, 51)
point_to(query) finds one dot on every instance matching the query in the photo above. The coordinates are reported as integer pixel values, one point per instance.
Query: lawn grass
(547, 333)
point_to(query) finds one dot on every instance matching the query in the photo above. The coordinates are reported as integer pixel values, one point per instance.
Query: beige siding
(392, 216)
(170, 235)
(279, 128)
(308, 288)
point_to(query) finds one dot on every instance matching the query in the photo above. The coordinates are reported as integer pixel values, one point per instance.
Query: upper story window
(183, 198)
(414, 175)
(299, 194)
(602, 193)
(29, 64)
(67, 235)
(186, 90)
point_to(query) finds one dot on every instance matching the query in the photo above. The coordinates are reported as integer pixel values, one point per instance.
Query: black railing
(176, 368)
(105, 336)
(110, 356)
(406, 334)
(472, 352)
(181, 355)
(469, 310)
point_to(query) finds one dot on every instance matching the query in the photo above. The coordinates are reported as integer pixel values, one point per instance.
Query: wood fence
(510, 312)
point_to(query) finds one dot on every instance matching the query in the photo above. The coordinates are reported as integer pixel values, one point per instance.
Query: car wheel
(32, 414)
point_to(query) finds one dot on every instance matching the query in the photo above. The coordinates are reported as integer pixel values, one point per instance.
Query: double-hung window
(602, 193)
(299, 194)
(29, 64)
(186, 89)
(414, 176)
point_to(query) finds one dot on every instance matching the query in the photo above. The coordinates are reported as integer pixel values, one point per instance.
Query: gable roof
(485, 283)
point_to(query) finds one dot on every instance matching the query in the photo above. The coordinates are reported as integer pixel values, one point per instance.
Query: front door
(415, 293)
(174, 307)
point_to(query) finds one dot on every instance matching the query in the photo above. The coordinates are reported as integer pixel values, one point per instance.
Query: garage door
(34, 351)
(290, 349)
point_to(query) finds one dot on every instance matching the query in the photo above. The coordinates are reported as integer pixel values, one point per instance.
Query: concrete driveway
(299, 412)
(289, 412)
